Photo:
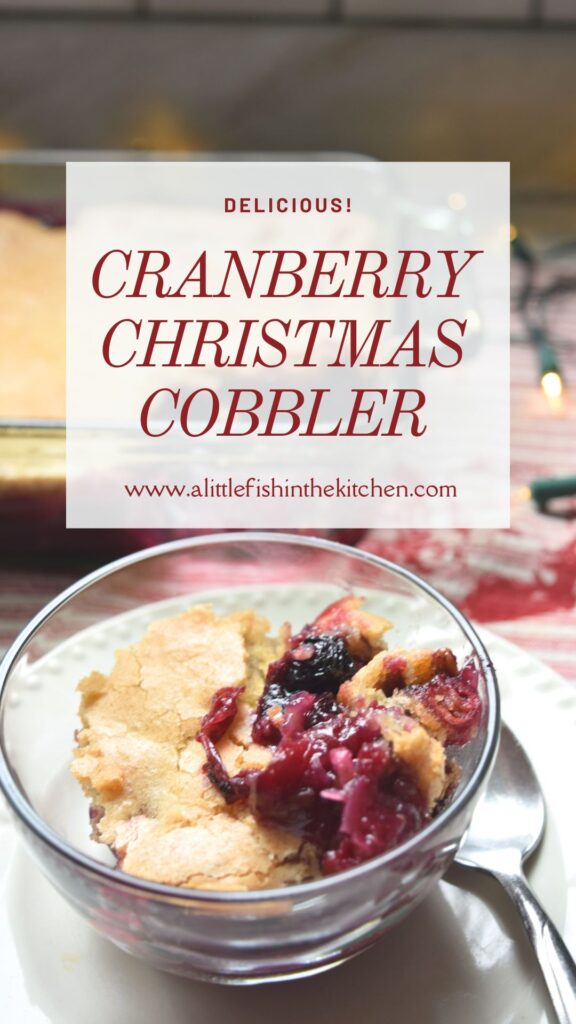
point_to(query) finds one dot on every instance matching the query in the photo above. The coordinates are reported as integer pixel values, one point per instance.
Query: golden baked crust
(227, 813)
(393, 670)
(140, 763)
(422, 753)
(223, 852)
(32, 319)
(415, 734)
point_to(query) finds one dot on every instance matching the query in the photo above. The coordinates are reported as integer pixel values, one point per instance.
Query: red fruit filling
(332, 778)
(455, 703)
(321, 657)
(336, 784)
(336, 618)
(317, 665)
(339, 785)
(212, 728)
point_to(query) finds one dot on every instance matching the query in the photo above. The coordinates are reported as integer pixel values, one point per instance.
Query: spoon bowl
(511, 815)
(507, 826)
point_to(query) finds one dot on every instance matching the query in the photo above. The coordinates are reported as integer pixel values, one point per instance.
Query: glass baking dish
(33, 450)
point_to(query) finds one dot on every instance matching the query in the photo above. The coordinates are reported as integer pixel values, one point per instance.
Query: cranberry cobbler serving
(217, 756)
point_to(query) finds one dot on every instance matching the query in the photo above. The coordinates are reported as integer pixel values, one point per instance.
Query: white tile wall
(397, 94)
(431, 9)
(27, 6)
(560, 10)
(279, 7)
(417, 9)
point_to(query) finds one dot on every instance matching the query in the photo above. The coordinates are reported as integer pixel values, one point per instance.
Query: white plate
(460, 957)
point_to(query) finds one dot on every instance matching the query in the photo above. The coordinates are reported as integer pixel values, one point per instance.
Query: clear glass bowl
(243, 937)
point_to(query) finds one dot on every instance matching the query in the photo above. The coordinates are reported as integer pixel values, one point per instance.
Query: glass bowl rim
(30, 818)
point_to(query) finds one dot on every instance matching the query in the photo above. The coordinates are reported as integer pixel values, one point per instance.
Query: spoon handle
(557, 965)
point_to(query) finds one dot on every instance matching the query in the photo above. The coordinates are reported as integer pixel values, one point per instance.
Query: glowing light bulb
(553, 388)
(473, 320)
(521, 494)
(552, 384)
(457, 201)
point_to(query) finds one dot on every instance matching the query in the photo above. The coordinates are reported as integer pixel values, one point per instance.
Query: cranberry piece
(316, 664)
(222, 712)
(213, 726)
(339, 785)
(322, 656)
(296, 713)
(324, 708)
(455, 702)
(315, 709)
(319, 664)
(95, 814)
(265, 730)
(374, 822)
(336, 783)
(337, 618)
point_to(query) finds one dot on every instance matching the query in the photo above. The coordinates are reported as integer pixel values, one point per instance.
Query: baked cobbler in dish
(216, 756)
(32, 319)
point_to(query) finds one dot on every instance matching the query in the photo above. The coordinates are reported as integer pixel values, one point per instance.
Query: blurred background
(386, 79)
(392, 79)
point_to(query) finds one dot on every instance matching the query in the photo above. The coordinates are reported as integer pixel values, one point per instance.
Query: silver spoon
(506, 828)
